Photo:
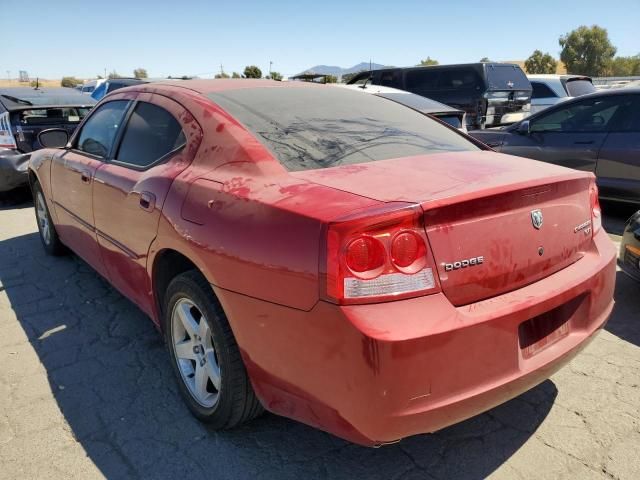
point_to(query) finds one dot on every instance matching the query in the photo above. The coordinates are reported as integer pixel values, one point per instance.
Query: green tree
(428, 62)
(625, 66)
(236, 75)
(484, 60)
(70, 82)
(252, 71)
(114, 74)
(221, 75)
(330, 79)
(587, 51)
(276, 76)
(540, 62)
(140, 73)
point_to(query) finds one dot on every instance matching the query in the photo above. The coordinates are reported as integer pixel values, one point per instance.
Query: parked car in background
(113, 84)
(450, 115)
(598, 132)
(629, 256)
(25, 112)
(88, 87)
(550, 90)
(491, 94)
(334, 257)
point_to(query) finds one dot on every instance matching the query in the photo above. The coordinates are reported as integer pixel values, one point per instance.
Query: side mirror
(53, 138)
(523, 128)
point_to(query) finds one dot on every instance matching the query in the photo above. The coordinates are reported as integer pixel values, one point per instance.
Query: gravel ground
(86, 391)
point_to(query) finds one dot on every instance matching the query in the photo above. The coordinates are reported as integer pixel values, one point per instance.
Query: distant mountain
(339, 71)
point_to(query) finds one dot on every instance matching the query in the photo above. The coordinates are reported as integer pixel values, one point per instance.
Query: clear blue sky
(81, 38)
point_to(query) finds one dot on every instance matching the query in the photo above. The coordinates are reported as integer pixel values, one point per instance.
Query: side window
(460, 78)
(540, 90)
(150, 134)
(98, 133)
(390, 78)
(421, 79)
(592, 115)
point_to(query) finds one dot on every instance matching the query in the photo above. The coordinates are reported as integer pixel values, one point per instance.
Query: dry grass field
(15, 83)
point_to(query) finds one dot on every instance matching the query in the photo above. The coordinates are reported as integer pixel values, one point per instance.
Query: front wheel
(205, 357)
(48, 235)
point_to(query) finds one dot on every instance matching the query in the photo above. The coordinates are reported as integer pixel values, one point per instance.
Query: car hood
(438, 178)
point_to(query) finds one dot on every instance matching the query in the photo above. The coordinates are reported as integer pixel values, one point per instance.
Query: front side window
(151, 134)
(593, 115)
(98, 134)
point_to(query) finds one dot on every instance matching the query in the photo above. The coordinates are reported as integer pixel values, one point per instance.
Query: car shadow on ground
(615, 216)
(19, 197)
(625, 319)
(110, 375)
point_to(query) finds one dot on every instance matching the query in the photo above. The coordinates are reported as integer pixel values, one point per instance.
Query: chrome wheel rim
(43, 218)
(195, 354)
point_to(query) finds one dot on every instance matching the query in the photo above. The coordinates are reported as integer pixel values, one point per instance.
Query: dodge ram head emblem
(510, 84)
(536, 218)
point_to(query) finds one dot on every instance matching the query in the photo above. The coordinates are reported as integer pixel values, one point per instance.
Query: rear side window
(575, 88)
(460, 78)
(421, 79)
(150, 135)
(309, 128)
(592, 115)
(98, 134)
(541, 90)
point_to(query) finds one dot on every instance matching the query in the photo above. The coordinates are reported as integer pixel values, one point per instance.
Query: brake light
(596, 211)
(377, 255)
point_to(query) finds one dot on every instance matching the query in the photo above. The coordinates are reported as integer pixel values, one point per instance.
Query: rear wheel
(205, 356)
(48, 235)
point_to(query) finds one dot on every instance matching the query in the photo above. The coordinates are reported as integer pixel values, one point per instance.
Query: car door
(618, 169)
(131, 188)
(569, 134)
(73, 172)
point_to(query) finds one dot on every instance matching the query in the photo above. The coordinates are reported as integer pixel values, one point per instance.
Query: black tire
(236, 401)
(51, 243)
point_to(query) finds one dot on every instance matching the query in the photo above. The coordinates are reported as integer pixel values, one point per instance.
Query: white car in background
(550, 90)
(450, 115)
(88, 87)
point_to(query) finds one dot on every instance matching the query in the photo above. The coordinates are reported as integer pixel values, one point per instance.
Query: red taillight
(596, 211)
(407, 248)
(364, 254)
(377, 255)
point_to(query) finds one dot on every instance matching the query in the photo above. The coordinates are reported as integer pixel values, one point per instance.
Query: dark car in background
(110, 85)
(598, 132)
(629, 256)
(491, 94)
(24, 113)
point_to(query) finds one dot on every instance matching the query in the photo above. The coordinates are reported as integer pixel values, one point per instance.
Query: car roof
(549, 76)
(220, 85)
(20, 98)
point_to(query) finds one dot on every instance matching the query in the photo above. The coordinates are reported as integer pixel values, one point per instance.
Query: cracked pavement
(86, 391)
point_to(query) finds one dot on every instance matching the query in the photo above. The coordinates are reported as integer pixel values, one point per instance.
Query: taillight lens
(377, 255)
(407, 248)
(365, 254)
(596, 211)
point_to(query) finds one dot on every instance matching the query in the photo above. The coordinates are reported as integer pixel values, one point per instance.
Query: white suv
(552, 89)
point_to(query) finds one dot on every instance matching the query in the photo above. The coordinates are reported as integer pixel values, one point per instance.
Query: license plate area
(544, 330)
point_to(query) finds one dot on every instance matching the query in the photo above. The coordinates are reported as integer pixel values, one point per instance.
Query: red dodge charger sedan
(332, 257)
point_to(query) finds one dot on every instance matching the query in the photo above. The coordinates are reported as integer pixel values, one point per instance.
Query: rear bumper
(377, 373)
(13, 169)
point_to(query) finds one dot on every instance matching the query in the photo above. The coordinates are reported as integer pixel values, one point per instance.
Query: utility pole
(270, 63)
(9, 75)
(221, 70)
(105, 72)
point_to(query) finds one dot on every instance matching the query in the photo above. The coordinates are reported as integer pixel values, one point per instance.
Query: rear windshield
(42, 116)
(506, 77)
(578, 87)
(311, 128)
(453, 120)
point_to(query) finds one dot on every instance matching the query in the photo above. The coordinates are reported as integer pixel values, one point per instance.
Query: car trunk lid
(478, 214)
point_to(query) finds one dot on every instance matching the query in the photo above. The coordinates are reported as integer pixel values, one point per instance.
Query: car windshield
(309, 128)
(578, 87)
(453, 120)
(52, 115)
